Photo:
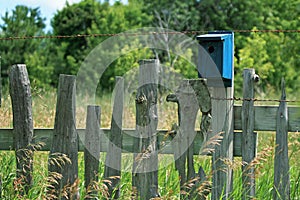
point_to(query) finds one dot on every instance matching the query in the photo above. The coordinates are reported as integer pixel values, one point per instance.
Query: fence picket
(112, 169)
(281, 163)
(22, 123)
(190, 99)
(92, 150)
(65, 141)
(145, 177)
(184, 140)
(62, 141)
(249, 138)
(222, 124)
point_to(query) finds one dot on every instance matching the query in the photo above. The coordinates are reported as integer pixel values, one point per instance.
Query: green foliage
(40, 73)
(273, 55)
(126, 65)
(72, 20)
(175, 15)
(168, 178)
(23, 21)
(91, 17)
(181, 65)
(261, 52)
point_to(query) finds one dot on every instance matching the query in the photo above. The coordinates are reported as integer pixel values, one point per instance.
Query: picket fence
(222, 135)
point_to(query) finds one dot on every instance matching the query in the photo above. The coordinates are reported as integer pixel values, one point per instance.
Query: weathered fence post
(22, 123)
(222, 123)
(65, 140)
(92, 150)
(281, 163)
(183, 143)
(112, 169)
(191, 96)
(145, 166)
(249, 138)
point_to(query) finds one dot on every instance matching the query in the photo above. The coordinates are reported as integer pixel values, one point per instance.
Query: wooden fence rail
(63, 143)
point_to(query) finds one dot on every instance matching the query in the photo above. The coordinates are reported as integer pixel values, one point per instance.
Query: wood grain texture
(222, 124)
(265, 118)
(112, 169)
(92, 150)
(145, 177)
(191, 96)
(19, 88)
(248, 139)
(184, 139)
(64, 139)
(128, 136)
(281, 162)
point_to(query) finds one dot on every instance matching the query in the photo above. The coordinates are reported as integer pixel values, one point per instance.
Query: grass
(44, 112)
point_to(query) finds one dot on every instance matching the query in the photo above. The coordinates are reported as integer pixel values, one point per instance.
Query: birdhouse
(216, 56)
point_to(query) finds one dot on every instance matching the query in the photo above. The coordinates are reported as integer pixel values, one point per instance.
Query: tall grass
(44, 112)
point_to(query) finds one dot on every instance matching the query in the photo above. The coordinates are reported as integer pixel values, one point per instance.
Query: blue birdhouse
(216, 56)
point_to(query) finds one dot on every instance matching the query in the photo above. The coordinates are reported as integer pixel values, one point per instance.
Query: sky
(47, 7)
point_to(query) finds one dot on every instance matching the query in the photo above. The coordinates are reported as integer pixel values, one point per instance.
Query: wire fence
(188, 32)
(136, 34)
(254, 100)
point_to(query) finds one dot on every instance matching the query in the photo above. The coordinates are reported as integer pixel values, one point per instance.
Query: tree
(175, 15)
(75, 19)
(23, 21)
(93, 17)
(273, 55)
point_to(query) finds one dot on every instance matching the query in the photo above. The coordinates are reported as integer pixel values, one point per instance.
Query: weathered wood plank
(19, 88)
(183, 145)
(128, 136)
(191, 96)
(265, 118)
(64, 139)
(281, 163)
(145, 177)
(248, 139)
(92, 151)
(112, 169)
(222, 123)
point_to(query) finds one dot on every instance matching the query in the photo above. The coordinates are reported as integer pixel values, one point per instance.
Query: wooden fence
(233, 130)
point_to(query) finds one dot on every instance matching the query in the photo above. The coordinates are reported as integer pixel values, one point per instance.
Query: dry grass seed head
(208, 146)
(260, 159)
(59, 159)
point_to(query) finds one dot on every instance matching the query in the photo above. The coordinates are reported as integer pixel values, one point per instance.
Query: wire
(254, 99)
(135, 34)
(156, 33)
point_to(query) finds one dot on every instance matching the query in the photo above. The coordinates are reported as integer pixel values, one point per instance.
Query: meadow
(44, 112)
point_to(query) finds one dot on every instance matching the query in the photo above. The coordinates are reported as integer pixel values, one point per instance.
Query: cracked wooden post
(112, 169)
(183, 145)
(145, 166)
(222, 124)
(20, 93)
(191, 96)
(281, 163)
(64, 147)
(92, 151)
(249, 138)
